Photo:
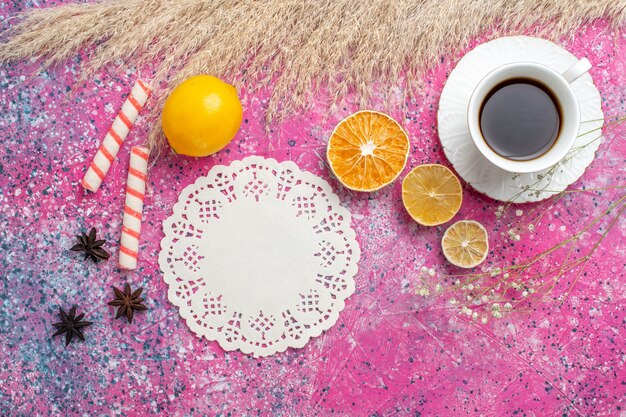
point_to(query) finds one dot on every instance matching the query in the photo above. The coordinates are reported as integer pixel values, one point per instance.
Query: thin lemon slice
(431, 194)
(465, 244)
(367, 150)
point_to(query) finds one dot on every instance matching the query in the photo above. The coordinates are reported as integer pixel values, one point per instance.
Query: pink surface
(390, 353)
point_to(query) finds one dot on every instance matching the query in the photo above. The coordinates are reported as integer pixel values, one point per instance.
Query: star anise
(91, 246)
(127, 302)
(71, 325)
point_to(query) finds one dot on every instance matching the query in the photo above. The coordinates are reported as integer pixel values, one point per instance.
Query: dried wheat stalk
(298, 46)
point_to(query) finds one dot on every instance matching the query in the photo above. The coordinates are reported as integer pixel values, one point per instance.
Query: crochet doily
(259, 256)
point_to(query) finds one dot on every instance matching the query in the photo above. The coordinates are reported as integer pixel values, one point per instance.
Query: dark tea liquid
(520, 119)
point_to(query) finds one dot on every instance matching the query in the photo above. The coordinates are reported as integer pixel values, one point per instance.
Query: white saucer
(463, 154)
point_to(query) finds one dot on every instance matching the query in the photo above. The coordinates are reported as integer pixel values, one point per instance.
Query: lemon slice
(465, 244)
(367, 150)
(431, 194)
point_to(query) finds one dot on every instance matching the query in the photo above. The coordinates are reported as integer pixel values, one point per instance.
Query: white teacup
(558, 84)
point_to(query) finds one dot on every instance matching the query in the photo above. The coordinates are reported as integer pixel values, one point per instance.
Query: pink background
(391, 351)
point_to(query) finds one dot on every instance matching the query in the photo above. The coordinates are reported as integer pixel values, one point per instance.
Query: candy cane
(135, 191)
(116, 135)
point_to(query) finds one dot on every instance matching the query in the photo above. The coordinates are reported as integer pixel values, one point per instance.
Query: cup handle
(576, 70)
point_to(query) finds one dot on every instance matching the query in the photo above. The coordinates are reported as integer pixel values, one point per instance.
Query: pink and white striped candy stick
(133, 208)
(116, 135)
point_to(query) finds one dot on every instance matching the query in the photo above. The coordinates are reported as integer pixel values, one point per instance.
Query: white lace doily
(259, 256)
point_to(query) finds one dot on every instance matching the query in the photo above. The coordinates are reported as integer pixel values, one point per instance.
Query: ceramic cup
(559, 85)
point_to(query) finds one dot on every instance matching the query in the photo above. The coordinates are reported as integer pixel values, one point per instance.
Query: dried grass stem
(298, 46)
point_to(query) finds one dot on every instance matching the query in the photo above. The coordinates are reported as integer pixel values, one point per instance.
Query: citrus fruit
(431, 194)
(465, 244)
(201, 116)
(367, 150)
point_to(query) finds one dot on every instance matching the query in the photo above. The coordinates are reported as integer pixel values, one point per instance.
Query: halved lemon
(431, 194)
(465, 244)
(367, 150)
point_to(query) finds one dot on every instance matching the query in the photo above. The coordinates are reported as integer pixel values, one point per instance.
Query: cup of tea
(524, 117)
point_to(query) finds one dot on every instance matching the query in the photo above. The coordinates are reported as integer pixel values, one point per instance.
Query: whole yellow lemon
(201, 116)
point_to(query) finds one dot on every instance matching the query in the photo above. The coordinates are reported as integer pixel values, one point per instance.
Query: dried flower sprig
(515, 287)
(528, 221)
(496, 292)
(543, 182)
